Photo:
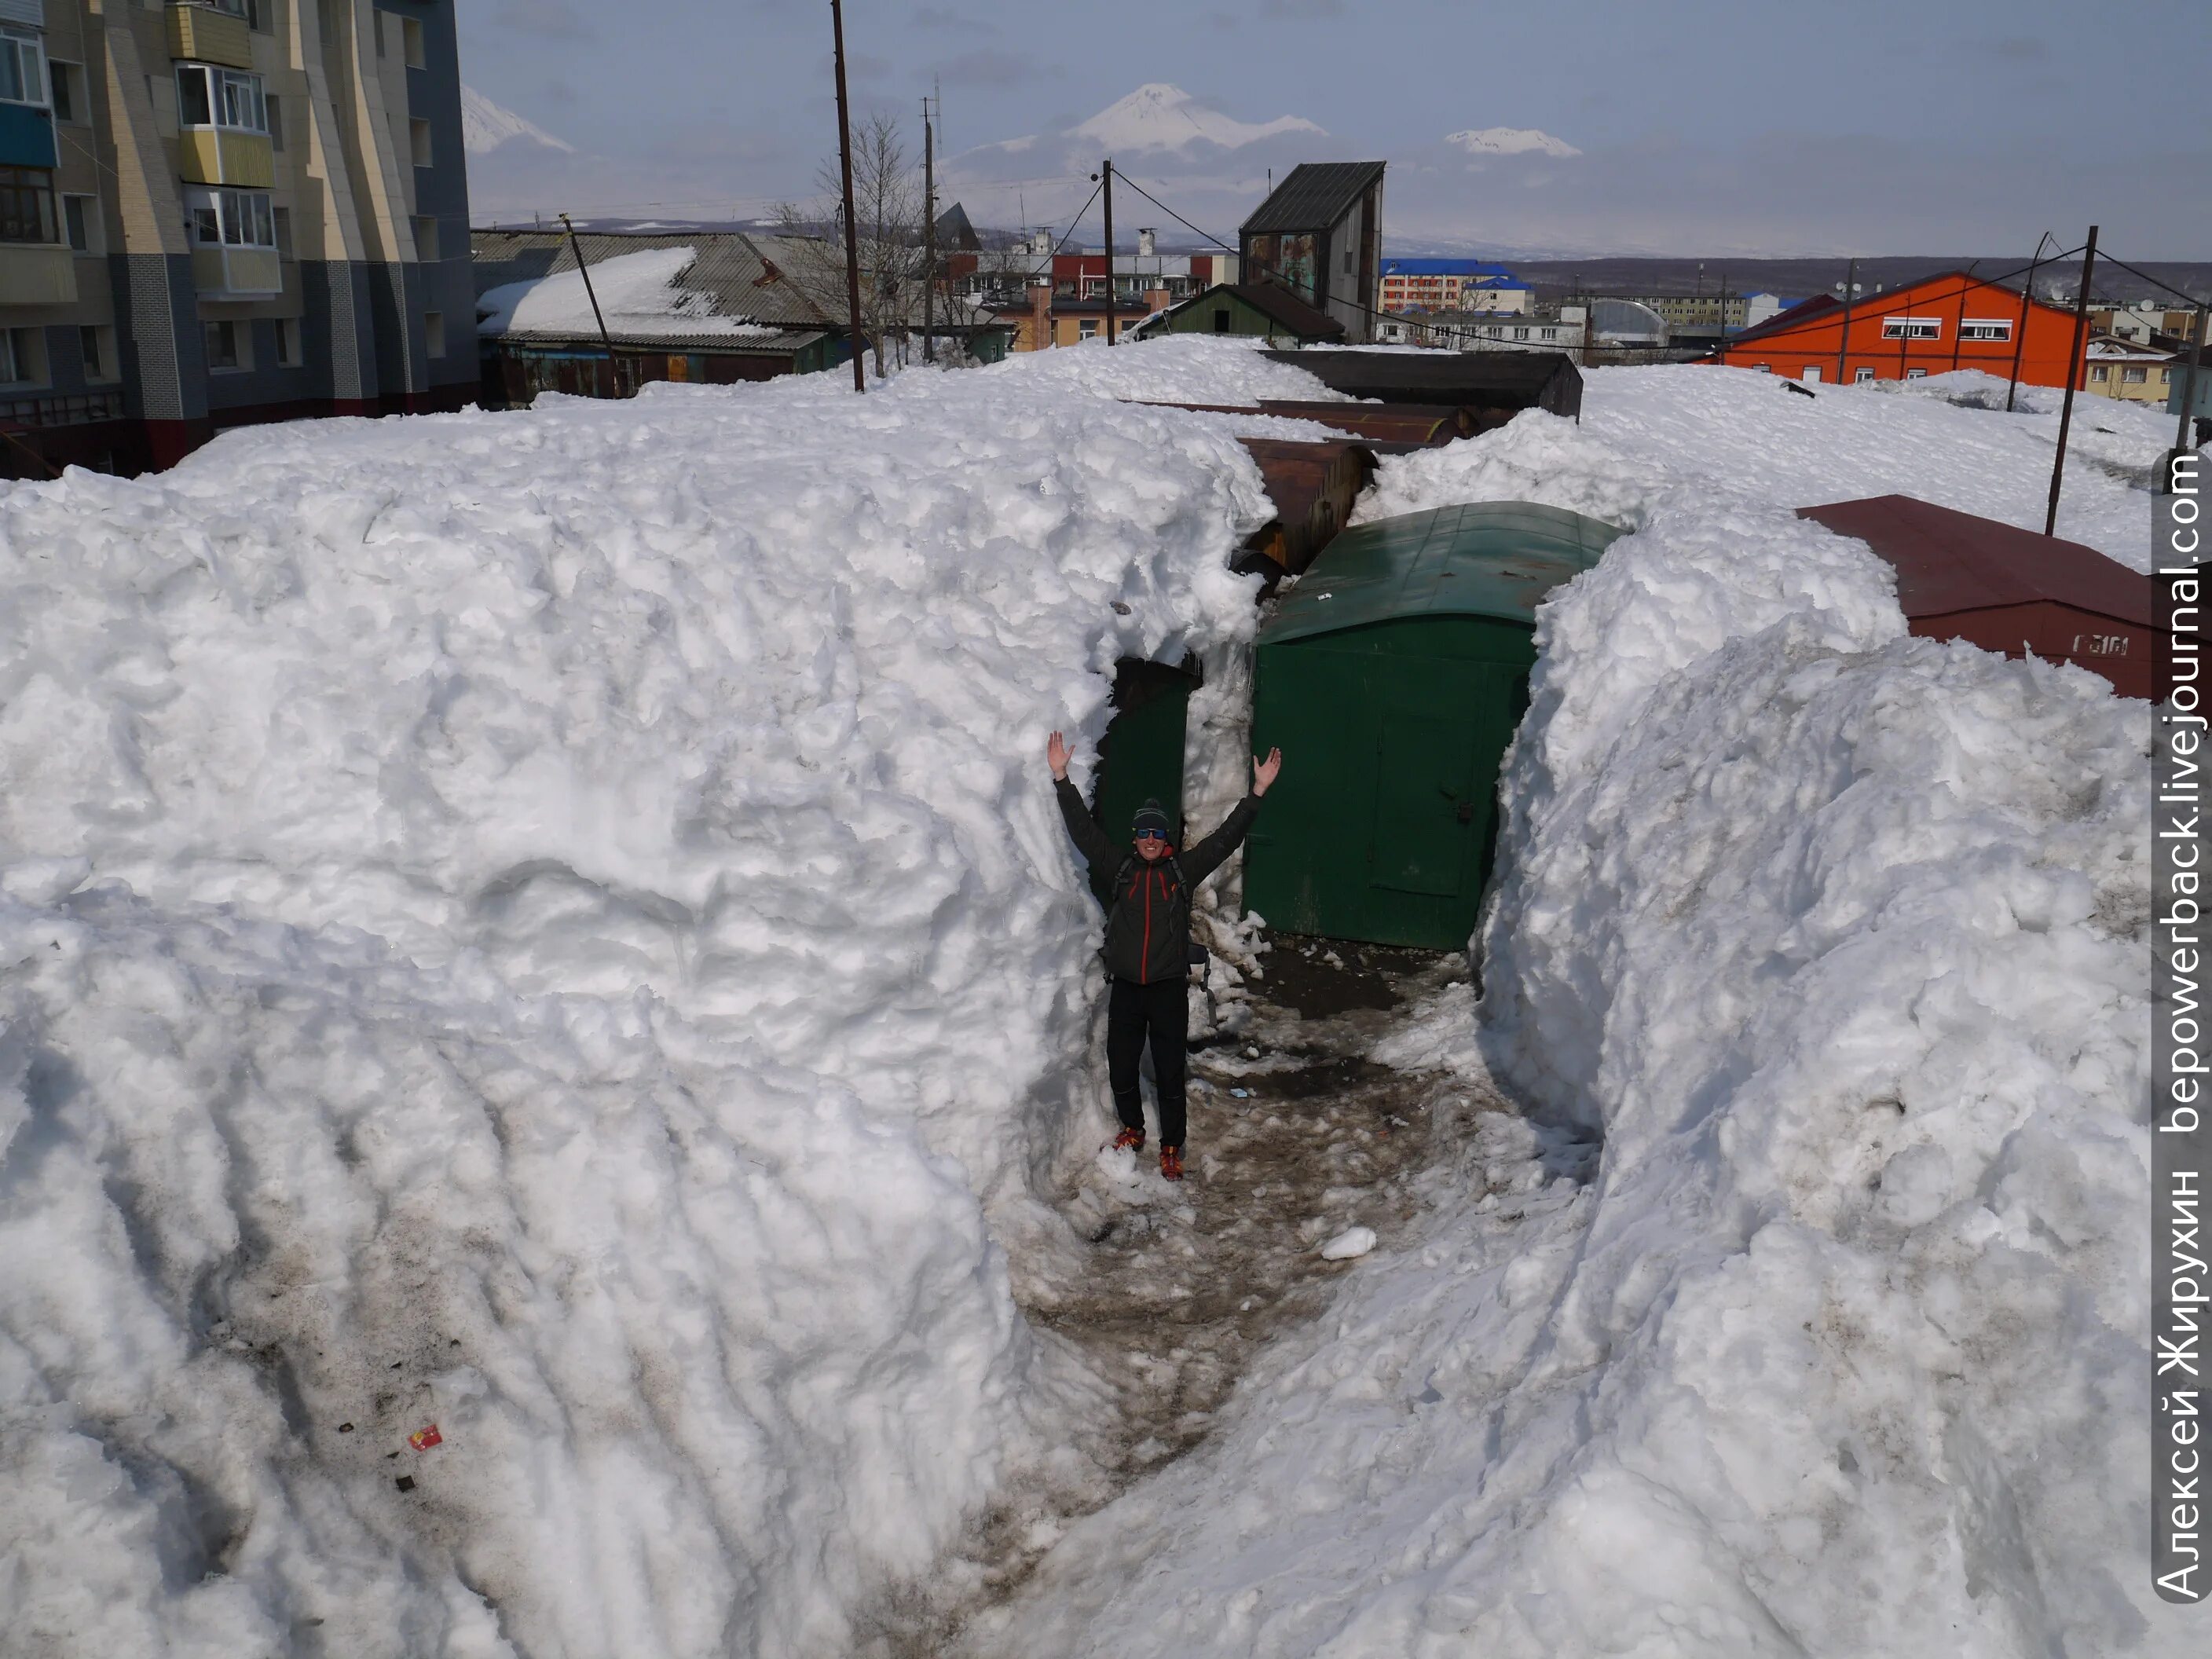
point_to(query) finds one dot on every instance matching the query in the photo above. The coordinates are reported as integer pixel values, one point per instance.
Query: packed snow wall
(1827, 944)
(554, 925)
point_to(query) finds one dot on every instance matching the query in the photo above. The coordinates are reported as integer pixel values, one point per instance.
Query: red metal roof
(1948, 561)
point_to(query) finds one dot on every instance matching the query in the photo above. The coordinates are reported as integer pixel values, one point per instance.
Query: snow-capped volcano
(1159, 116)
(1509, 141)
(486, 125)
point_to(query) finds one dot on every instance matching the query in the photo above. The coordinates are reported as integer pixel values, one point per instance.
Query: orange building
(1929, 327)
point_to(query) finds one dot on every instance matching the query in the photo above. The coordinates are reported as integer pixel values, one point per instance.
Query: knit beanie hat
(1151, 819)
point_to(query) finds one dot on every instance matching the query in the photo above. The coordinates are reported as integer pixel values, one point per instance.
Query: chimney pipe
(1146, 244)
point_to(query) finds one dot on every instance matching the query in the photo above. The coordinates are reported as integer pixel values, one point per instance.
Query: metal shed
(1313, 486)
(2008, 590)
(1487, 382)
(1394, 674)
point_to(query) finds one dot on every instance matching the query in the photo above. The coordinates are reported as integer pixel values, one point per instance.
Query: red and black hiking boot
(1132, 1139)
(1171, 1163)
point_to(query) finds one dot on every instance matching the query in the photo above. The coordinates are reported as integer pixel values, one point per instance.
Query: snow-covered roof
(719, 289)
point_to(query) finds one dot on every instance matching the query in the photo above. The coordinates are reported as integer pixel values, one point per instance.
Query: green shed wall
(1242, 319)
(1389, 732)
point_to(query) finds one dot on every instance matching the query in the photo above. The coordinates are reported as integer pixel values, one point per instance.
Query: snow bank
(1179, 368)
(1837, 937)
(546, 924)
(1740, 434)
(637, 295)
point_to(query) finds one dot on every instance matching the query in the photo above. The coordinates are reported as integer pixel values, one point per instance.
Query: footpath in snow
(1837, 939)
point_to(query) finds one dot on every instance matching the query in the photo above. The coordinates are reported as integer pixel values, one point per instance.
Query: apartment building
(223, 212)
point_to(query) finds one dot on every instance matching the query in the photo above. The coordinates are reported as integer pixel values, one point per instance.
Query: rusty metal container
(1313, 486)
(2010, 590)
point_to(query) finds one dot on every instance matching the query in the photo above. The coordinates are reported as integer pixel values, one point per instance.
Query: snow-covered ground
(555, 925)
(1837, 937)
(552, 924)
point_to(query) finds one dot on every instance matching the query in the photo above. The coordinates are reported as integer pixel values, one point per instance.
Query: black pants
(1161, 1011)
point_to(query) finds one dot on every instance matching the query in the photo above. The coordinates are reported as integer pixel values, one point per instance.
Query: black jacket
(1148, 915)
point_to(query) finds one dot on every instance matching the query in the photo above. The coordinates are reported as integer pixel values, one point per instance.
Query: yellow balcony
(37, 274)
(237, 272)
(207, 155)
(207, 36)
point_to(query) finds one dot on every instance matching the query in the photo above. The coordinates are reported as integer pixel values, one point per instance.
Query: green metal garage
(1393, 676)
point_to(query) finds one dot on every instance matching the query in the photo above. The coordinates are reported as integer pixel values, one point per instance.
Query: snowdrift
(1836, 937)
(553, 925)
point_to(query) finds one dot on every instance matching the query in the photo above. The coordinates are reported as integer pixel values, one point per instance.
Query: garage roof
(1947, 562)
(1496, 559)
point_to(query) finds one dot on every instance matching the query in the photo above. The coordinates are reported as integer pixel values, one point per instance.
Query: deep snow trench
(1299, 1136)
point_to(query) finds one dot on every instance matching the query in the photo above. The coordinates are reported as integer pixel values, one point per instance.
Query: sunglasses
(1150, 835)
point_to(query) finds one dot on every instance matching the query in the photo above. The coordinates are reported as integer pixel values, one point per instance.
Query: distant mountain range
(486, 125)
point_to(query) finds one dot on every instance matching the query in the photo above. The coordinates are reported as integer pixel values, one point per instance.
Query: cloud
(1511, 141)
(987, 67)
(554, 18)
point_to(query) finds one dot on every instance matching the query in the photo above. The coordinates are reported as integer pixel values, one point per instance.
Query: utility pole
(585, 272)
(2073, 373)
(1106, 184)
(928, 237)
(2189, 380)
(2020, 330)
(1843, 339)
(852, 231)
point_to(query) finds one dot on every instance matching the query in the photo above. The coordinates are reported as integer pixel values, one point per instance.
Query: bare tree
(887, 209)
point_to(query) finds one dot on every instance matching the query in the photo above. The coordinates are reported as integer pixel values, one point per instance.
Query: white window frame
(241, 335)
(27, 58)
(103, 336)
(1912, 328)
(2135, 375)
(2100, 371)
(250, 213)
(96, 223)
(1916, 373)
(1863, 376)
(225, 89)
(1977, 328)
(80, 113)
(23, 359)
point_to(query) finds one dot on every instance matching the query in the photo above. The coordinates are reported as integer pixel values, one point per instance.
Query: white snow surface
(486, 125)
(554, 925)
(1511, 141)
(637, 295)
(1837, 939)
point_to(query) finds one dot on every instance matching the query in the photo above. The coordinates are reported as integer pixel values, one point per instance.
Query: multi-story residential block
(224, 212)
(1454, 285)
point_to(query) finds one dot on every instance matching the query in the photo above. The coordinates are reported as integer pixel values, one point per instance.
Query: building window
(1549, 334)
(1520, 333)
(1087, 329)
(1985, 328)
(231, 218)
(434, 333)
(426, 237)
(22, 356)
(1764, 368)
(284, 229)
(1912, 328)
(81, 224)
(2099, 372)
(418, 134)
(276, 122)
(288, 343)
(211, 97)
(22, 69)
(229, 347)
(1916, 373)
(96, 346)
(410, 42)
(2134, 376)
(67, 81)
(1862, 376)
(27, 205)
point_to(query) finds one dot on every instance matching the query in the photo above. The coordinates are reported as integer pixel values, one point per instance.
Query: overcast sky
(1943, 127)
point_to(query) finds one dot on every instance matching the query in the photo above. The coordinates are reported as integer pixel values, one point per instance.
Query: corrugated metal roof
(752, 280)
(1476, 559)
(1948, 561)
(1314, 196)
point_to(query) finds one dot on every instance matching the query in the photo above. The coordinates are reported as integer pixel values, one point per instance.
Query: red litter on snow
(425, 1437)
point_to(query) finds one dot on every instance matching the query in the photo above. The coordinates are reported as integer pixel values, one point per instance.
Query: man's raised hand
(1055, 756)
(1263, 771)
